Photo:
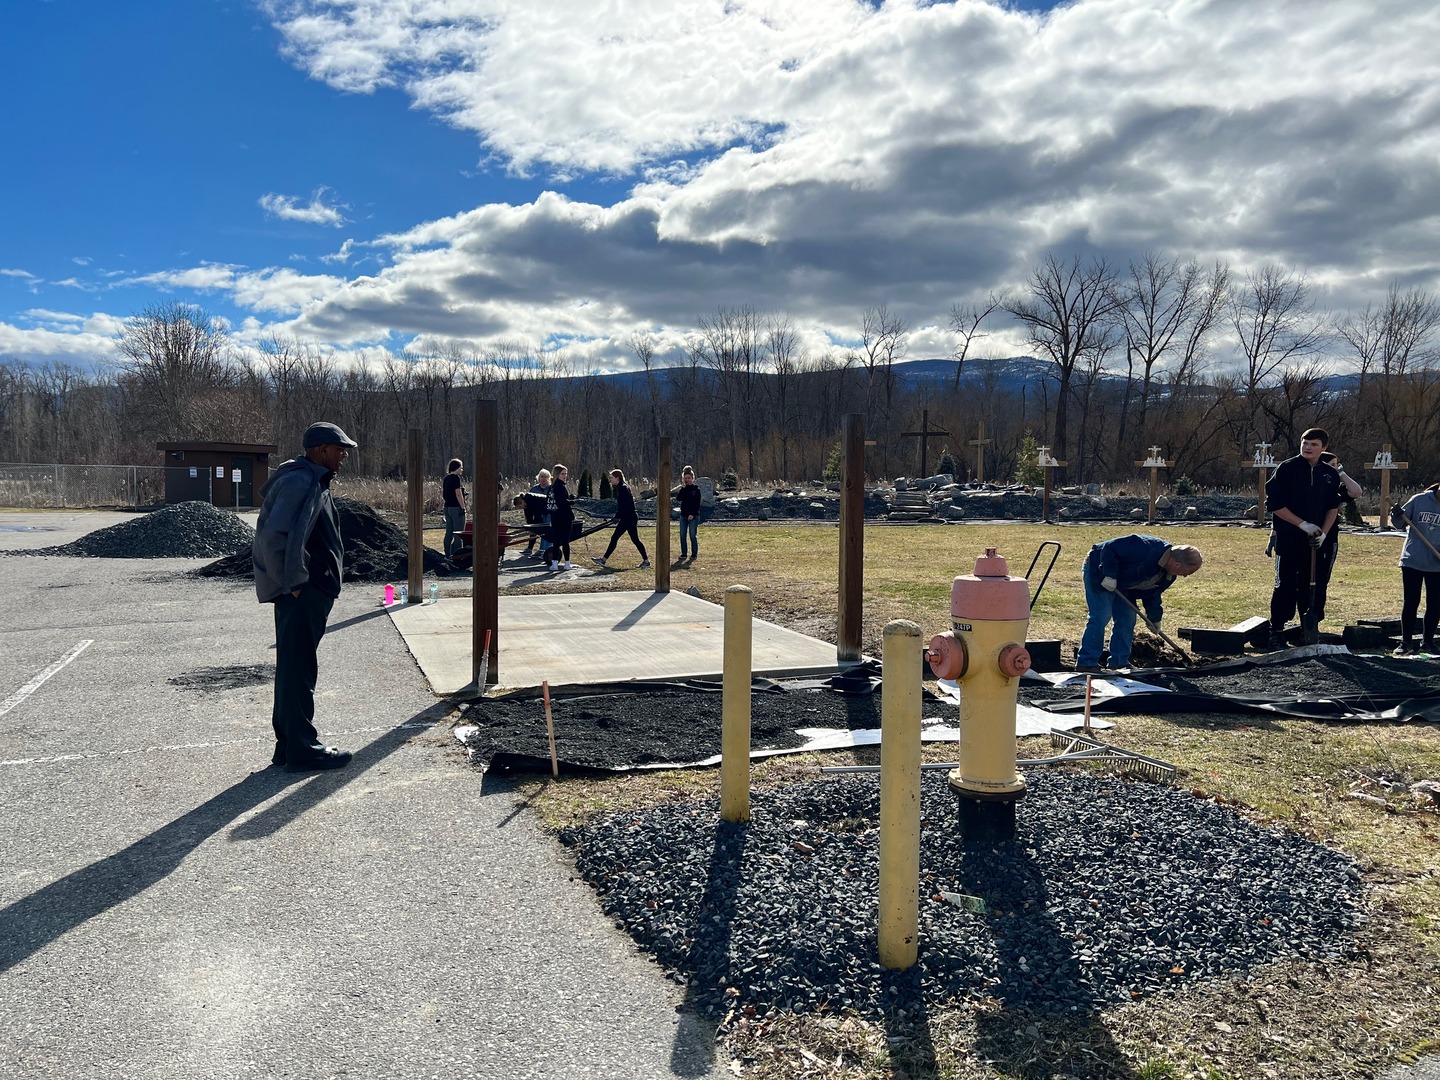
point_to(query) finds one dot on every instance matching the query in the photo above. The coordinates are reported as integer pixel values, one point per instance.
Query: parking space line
(39, 680)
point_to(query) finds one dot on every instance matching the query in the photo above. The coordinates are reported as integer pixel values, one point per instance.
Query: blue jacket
(297, 538)
(1423, 510)
(1134, 562)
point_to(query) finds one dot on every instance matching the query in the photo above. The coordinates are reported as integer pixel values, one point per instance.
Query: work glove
(1310, 529)
(1318, 540)
(1109, 584)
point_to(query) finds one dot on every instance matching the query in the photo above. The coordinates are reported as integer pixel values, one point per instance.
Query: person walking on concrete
(626, 519)
(1135, 567)
(689, 515)
(454, 507)
(1419, 565)
(1304, 495)
(299, 562)
(562, 520)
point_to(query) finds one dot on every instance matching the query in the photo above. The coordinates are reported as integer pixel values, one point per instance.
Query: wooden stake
(1047, 462)
(980, 445)
(1262, 464)
(1088, 688)
(1385, 462)
(550, 729)
(1155, 462)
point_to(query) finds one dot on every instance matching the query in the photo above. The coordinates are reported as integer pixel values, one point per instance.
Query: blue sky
(367, 174)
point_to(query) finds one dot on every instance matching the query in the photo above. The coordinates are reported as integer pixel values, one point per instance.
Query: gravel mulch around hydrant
(1113, 889)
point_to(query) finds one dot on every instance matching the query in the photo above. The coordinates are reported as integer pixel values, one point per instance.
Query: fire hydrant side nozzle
(990, 612)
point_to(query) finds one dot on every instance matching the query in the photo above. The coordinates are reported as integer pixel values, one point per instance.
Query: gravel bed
(375, 550)
(1320, 676)
(662, 726)
(1113, 890)
(184, 530)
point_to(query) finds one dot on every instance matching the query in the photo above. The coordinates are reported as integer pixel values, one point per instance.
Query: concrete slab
(597, 637)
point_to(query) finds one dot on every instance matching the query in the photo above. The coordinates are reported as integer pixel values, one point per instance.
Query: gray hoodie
(1423, 510)
(297, 539)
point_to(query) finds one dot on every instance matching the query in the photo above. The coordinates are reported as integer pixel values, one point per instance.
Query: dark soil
(1113, 889)
(663, 726)
(375, 550)
(225, 678)
(1320, 676)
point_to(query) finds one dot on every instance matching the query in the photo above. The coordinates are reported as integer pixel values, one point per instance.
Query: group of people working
(1305, 496)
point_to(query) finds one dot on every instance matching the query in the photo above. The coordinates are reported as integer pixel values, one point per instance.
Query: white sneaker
(598, 560)
(567, 566)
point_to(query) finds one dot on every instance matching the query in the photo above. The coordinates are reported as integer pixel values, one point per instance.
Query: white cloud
(316, 212)
(341, 256)
(10, 272)
(81, 260)
(80, 346)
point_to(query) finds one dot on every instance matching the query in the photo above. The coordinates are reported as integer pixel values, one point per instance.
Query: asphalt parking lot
(170, 906)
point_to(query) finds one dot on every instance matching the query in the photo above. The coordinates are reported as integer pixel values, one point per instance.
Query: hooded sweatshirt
(297, 539)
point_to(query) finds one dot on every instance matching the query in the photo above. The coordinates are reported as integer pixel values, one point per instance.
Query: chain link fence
(128, 486)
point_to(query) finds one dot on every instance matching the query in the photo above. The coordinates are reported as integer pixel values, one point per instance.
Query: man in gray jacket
(299, 562)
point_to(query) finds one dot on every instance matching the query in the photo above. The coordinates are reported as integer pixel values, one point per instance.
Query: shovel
(1189, 661)
(1310, 621)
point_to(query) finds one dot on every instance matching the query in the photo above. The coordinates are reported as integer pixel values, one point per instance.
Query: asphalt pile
(663, 726)
(1113, 890)
(375, 550)
(183, 530)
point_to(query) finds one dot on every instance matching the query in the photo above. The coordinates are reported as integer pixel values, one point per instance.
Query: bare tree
(729, 344)
(965, 320)
(174, 357)
(882, 345)
(642, 344)
(1393, 345)
(782, 350)
(1068, 310)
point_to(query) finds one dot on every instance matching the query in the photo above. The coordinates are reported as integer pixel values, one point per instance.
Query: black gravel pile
(1114, 889)
(375, 550)
(661, 726)
(184, 530)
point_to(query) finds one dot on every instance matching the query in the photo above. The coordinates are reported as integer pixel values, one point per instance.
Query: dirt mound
(194, 530)
(375, 550)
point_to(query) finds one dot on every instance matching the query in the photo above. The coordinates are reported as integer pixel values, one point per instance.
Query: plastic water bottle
(404, 594)
(434, 593)
(389, 595)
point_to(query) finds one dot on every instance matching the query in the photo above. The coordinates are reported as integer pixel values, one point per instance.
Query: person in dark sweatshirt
(299, 561)
(1139, 568)
(626, 519)
(1419, 565)
(562, 519)
(1304, 497)
(689, 515)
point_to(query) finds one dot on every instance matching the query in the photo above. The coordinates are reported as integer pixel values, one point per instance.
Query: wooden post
(485, 572)
(1047, 463)
(980, 445)
(735, 679)
(898, 932)
(1155, 462)
(925, 434)
(1263, 462)
(662, 518)
(1386, 463)
(415, 513)
(852, 539)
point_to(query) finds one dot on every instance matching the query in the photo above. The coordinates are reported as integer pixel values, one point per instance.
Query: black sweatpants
(1292, 584)
(1410, 582)
(621, 530)
(299, 626)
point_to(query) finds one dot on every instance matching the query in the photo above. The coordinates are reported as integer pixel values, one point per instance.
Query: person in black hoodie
(626, 519)
(1304, 495)
(689, 514)
(562, 518)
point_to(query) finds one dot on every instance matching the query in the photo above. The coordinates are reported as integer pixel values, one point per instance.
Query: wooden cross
(1155, 462)
(1047, 462)
(1386, 463)
(1263, 462)
(925, 434)
(980, 445)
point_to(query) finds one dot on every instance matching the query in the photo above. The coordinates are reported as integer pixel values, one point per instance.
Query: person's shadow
(33, 922)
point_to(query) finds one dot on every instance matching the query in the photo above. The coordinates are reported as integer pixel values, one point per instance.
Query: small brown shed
(225, 474)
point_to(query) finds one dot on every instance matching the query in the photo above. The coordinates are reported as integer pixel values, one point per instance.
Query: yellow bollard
(899, 930)
(735, 690)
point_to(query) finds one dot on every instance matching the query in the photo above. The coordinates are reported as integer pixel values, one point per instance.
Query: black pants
(1410, 581)
(1292, 584)
(622, 530)
(299, 626)
(560, 541)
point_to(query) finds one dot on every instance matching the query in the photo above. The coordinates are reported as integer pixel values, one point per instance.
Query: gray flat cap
(323, 434)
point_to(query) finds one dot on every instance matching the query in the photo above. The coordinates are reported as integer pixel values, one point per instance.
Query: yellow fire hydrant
(985, 653)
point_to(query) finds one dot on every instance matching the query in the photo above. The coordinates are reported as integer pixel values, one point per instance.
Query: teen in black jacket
(626, 519)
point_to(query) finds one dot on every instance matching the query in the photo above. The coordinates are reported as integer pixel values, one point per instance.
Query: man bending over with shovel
(1304, 497)
(1120, 574)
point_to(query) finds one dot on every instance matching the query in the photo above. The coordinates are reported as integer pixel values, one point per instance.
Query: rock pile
(185, 530)
(1112, 890)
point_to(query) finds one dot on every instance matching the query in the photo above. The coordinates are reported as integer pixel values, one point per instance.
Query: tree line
(1193, 358)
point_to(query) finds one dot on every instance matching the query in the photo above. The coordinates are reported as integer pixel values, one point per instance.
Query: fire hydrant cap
(988, 595)
(991, 564)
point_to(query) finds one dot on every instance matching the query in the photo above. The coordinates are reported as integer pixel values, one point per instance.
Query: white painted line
(39, 680)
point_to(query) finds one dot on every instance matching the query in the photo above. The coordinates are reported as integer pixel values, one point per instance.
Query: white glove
(1318, 540)
(1109, 584)
(1309, 528)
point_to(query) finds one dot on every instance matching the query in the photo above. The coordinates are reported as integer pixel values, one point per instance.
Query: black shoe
(1089, 669)
(324, 757)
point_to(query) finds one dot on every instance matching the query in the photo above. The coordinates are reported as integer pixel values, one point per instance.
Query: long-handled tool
(1310, 621)
(1189, 661)
(1423, 538)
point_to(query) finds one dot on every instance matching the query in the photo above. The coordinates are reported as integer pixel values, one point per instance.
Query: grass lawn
(1293, 1018)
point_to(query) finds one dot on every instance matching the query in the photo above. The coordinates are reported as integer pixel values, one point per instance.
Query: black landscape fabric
(1113, 889)
(664, 725)
(1339, 687)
